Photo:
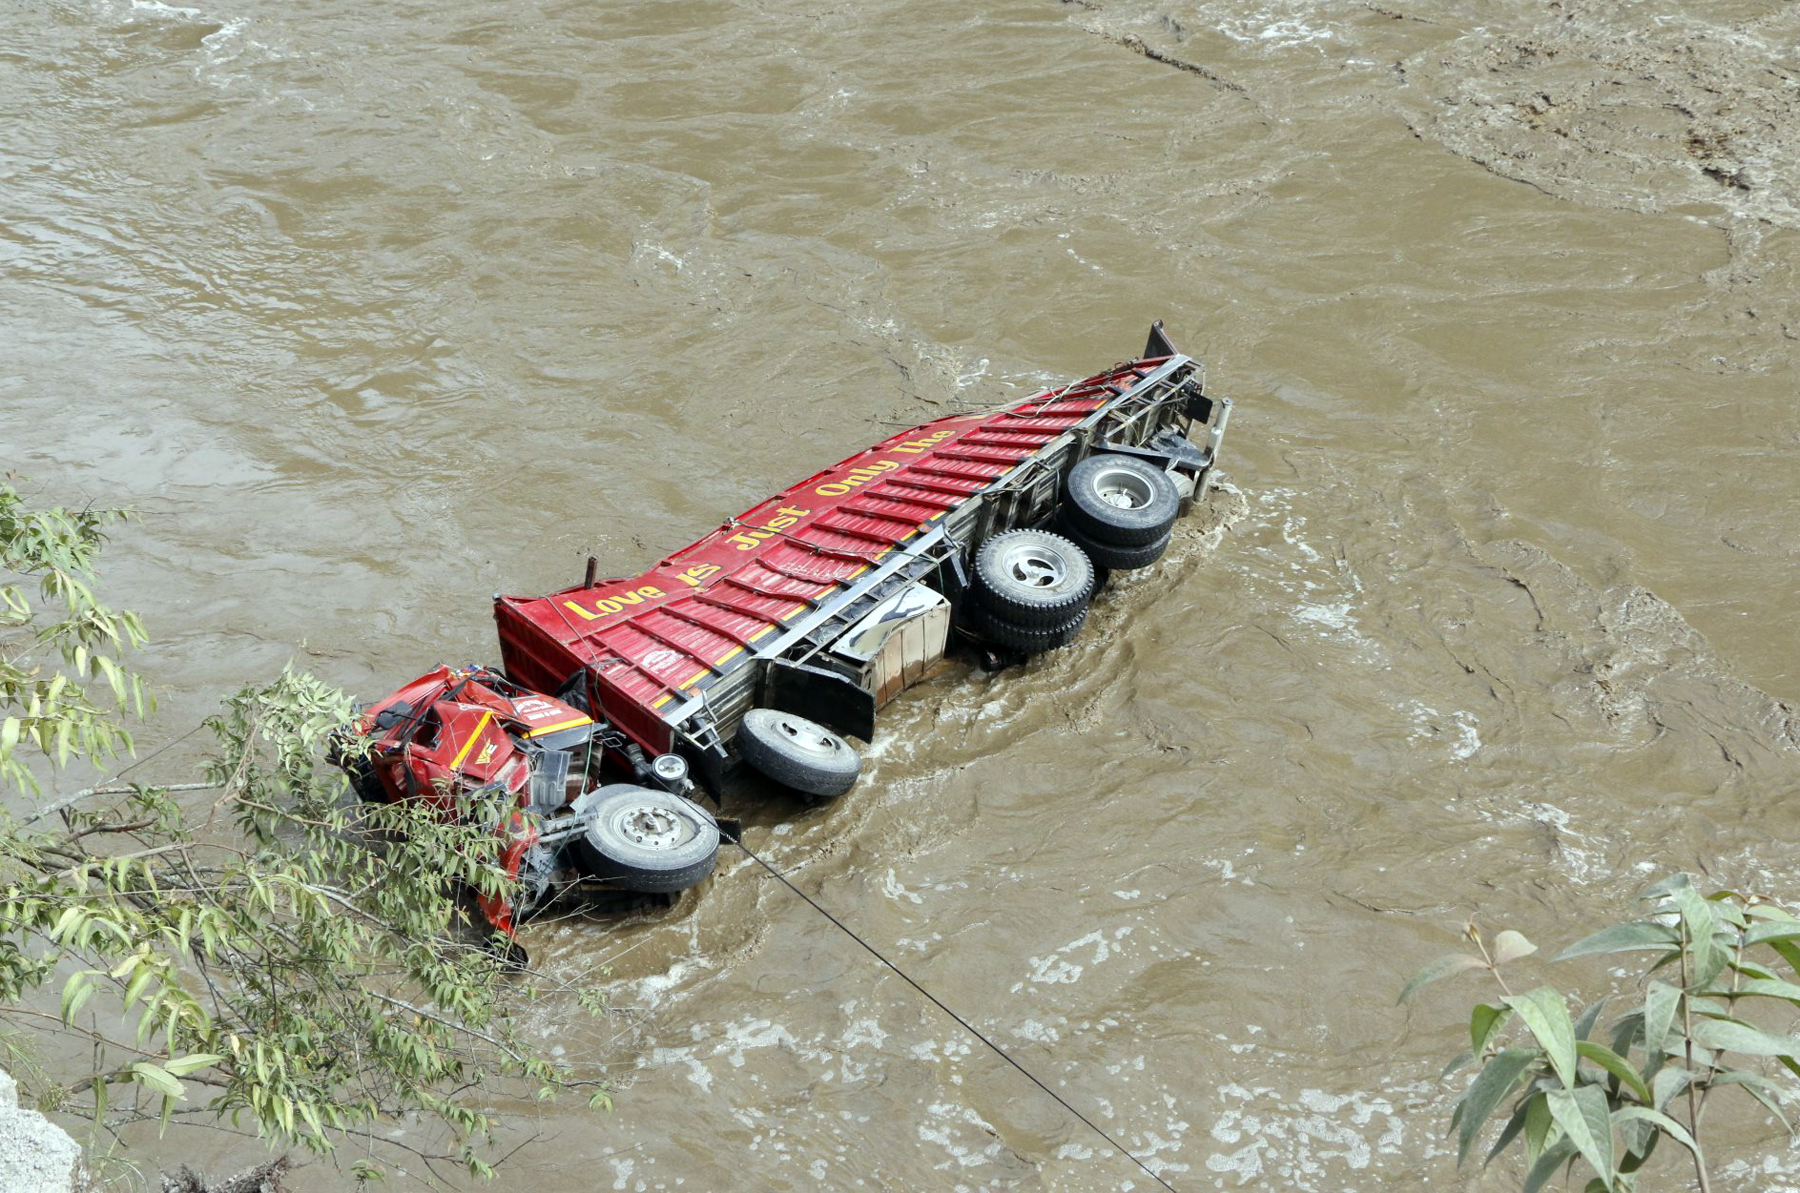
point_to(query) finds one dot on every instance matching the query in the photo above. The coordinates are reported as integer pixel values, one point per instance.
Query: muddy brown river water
(376, 309)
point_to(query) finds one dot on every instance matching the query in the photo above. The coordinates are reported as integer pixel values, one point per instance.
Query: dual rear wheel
(1031, 588)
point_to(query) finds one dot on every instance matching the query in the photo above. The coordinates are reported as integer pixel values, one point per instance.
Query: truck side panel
(699, 615)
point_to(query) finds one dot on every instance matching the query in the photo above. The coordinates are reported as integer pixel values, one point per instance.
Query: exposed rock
(36, 1155)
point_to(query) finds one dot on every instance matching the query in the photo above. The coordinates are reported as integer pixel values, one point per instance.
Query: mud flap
(822, 696)
(706, 758)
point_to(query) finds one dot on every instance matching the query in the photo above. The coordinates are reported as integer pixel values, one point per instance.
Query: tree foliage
(54, 649)
(1693, 1033)
(276, 954)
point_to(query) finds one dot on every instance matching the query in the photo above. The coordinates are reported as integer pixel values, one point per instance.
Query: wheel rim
(1123, 488)
(807, 737)
(650, 826)
(1033, 565)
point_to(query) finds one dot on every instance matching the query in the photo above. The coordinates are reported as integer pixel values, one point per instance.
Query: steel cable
(963, 1023)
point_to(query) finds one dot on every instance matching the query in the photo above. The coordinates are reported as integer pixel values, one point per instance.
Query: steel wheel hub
(1123, 488)
(1034, 567)
(805, 737)
(653, 828)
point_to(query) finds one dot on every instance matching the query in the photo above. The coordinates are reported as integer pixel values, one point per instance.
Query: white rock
(36, 1155)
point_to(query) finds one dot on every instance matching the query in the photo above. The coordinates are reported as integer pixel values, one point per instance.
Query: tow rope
(939, 1004)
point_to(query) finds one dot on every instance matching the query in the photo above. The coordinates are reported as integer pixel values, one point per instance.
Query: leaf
(1622, 938)
(157, 1078)
(1701, 922)
(1510, 946)
(182, 1066)
(1669, 1126)
(1669, 1081)
(1766, 988)
(1545, 1013)
(1583, 1116)
(1772, 931)
(1639, 1140)
(1456, 1062)
(1538, 1126)
(1492, 1084)
(1443, 967)
(1660, 1001)
(1617, 1065)
(1484, 1022)
(1584, 1026)
(1514, 1125)
(1739, 1037)
(1751, 969)
(1546, 1166)
(76, 991)
(1663, 887)
(1627, 1031)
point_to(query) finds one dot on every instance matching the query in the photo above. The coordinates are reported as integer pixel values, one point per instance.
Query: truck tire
(798, 753)
(1033, 578)
(1120, 500)
(1121, 559)
(989, 627)
(645, 840)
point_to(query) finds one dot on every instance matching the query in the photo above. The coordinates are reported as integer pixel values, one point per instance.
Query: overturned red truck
(775, 638)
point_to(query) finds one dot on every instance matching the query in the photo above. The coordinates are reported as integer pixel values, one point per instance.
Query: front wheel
(645, 840)
(798, 753)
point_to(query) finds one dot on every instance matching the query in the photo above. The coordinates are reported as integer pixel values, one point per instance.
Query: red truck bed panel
(693, 616)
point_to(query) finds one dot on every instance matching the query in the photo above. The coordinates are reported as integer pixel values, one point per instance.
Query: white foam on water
(894, 889)
(947, 1120)
(1463, 731)
(698, 1073)
(863, 1031)
(1057, 969)
(1757, 1175)
(651, 989)
(165, 10)
(1307, 1142)
(653, 251)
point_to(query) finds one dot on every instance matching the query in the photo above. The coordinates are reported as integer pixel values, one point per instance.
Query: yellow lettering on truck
(750, 538)
(606, 606)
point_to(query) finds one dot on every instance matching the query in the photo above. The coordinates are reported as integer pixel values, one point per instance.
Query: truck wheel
(1120, 499)
(645, 840)
(984, 624)
(1117, 558)
(1033, 578)
(798, 753)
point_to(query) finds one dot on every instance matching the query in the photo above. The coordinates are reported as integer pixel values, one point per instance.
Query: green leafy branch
(1607, 1105)
(278, 954)
(52, 706)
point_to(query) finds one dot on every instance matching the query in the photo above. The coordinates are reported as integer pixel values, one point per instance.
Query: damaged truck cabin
(771, 639)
